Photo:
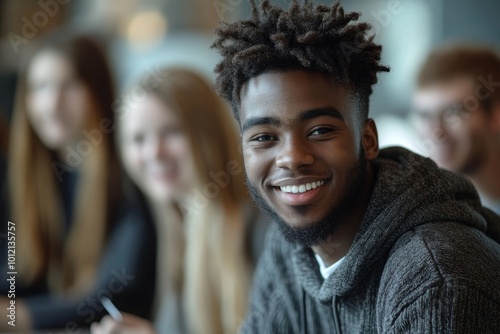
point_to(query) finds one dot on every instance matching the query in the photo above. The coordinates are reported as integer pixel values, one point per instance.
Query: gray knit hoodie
(425, 260)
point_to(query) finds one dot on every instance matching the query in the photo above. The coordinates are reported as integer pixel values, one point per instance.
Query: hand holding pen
(120, 322)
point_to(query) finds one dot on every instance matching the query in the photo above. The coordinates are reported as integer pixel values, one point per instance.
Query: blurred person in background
(180, 146)
(77, 239)
(457, 114)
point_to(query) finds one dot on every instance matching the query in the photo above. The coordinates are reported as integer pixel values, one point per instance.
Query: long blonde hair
(212, 272)
(68, 263)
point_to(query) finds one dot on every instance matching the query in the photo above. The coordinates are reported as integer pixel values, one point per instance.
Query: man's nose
(294, 154)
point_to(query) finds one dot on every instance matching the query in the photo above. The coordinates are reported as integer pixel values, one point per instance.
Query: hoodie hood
(409, 191)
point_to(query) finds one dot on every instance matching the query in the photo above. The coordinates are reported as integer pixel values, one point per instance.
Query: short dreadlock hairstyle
(310, 37)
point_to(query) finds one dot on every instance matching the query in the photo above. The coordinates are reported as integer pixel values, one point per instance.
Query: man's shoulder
(444, 253)
(440, 268)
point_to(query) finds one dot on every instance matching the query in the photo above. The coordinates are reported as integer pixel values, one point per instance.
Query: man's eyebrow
(317, 112)
(255, 121)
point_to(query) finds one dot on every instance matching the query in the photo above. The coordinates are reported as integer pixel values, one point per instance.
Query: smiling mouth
(301, 188)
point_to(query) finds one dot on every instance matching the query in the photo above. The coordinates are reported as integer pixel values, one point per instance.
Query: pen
(111, 308)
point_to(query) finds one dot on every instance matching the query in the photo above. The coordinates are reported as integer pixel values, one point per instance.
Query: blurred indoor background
(143, 34)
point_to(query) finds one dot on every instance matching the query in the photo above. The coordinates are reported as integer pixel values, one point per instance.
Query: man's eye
(456, 109)
(320, 131)
(262, 138)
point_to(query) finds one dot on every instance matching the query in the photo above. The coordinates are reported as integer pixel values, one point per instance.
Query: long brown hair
(44, 253)
(210, 271)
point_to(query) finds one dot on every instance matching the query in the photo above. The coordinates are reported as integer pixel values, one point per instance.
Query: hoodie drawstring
(303, 313)
(336, 320)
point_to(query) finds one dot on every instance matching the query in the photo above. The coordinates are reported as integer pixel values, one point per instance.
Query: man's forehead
(288, 78)
(300, 90)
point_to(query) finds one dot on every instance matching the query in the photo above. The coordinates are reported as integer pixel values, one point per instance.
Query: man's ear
(369, 139)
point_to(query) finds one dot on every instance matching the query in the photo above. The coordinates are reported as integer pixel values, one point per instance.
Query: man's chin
(298, 216)
(309, 234)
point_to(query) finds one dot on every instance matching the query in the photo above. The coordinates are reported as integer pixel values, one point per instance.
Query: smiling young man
(365, 241)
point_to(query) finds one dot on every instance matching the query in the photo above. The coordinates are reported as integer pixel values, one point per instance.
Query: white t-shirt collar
(327, 271)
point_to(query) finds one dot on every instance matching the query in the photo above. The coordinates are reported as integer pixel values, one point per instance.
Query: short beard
(320, 230)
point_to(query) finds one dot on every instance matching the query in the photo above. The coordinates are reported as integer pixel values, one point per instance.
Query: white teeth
(302, 188)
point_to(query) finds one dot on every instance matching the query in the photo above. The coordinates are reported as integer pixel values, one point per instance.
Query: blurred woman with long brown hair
(179, 144)
(76, 238)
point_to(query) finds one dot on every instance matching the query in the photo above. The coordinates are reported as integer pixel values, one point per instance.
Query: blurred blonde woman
(179, 145)
(76, 238)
